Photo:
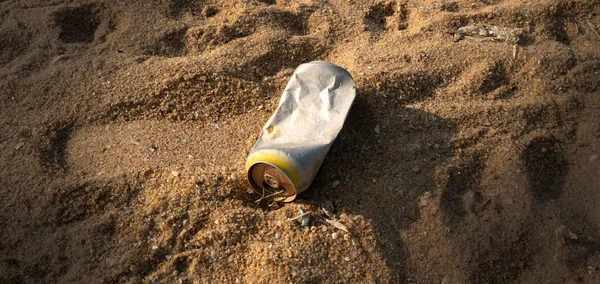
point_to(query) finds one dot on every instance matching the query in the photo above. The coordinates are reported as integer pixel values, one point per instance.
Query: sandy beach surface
(125, 125)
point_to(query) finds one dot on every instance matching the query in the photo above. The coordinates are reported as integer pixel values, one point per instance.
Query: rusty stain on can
(294, 141)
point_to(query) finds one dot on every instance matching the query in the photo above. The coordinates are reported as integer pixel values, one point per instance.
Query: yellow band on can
(278, 158)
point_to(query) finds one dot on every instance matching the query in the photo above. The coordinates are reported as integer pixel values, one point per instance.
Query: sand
(125, 126)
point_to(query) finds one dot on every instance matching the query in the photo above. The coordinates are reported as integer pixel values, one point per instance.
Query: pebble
(335, 183)
(304, 221)
(277, 236)
(175, 173)
(135, 142)
(154, 247)
(143, 229)
(334, 236)
(111, 262)
(377, 129)
(423, 201)
(346, 258)
(590, 270)
(457, 37)
(593, 158)
(416, 169)
(213, 255)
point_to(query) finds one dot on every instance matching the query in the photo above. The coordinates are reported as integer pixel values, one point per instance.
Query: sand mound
(125, 127)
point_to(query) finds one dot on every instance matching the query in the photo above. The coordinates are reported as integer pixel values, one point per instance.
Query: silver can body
(296, 138)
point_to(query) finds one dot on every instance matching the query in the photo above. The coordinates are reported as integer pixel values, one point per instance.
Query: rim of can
(290, 194)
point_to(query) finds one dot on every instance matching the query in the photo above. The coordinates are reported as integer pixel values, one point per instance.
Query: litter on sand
(304, 217)
(562, 233)
(337, 225)
(482, 32)
(294, 141)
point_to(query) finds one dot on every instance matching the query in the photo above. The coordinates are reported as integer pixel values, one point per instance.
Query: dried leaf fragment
(337, 225)
(562, 233)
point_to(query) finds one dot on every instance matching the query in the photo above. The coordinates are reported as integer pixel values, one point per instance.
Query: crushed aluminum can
(294, 141)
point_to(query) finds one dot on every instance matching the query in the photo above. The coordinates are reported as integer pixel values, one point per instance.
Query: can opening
(269, 180)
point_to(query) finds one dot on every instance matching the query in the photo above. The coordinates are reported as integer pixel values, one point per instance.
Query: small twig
(275, 193)
(593, 28)
(263, 197)
(10, 63)
(59, 58)
(327, 213)
(409, 218)
(480, 39)
(298, 217)
(395, 224)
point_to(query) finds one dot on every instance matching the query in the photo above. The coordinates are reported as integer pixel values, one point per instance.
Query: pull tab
(271, 181)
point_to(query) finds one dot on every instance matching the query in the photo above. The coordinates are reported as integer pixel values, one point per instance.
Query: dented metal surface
(295, 140)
